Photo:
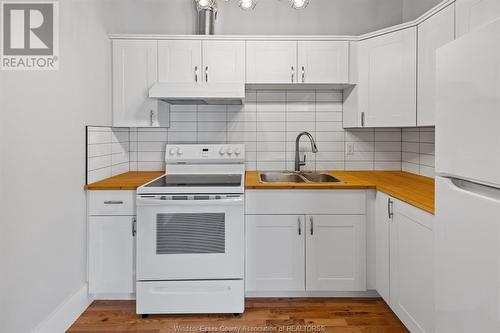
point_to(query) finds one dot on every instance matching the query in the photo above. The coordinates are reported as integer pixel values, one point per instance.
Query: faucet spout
(314, 148)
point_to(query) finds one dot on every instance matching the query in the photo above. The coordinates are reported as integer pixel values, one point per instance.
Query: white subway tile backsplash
(418, 150)
(99, 149)
(267, 124)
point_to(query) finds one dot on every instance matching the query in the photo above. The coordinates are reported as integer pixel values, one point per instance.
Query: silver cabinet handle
(312, 225)
(206, 73)
(293, 74)
(303, 74)
(113, 202)
(390, 206)
(195, 73)
(134, 226)
(151, 114)
(299, 226)
(362, 119)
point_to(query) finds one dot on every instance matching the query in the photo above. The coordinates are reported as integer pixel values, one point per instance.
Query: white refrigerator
(467, 230)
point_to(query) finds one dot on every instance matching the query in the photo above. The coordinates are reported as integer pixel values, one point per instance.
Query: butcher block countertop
(410, 188)
(126, 181)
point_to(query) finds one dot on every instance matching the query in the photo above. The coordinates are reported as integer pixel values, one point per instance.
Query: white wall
(414, 8)
(42, 146)
(322, 17)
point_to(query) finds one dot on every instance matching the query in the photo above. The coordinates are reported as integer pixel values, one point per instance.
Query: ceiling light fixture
(205, 4)
(250, 4)
(247, 4)
(299, 4)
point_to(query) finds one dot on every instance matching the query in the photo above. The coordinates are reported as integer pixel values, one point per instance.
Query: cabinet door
(223, 61)
(275, 253)
(179, 61)
(411, 269)
(335, 253)
(323, 61)
(271, 62)
(387, 79)
(111, 255)
(134, 72)
(471, 14)
(382, 254)
(432, 34)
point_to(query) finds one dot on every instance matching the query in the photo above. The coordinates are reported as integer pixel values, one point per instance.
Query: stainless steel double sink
(296, 177)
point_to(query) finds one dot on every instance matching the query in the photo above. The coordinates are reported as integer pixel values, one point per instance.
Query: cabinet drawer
(111, 202)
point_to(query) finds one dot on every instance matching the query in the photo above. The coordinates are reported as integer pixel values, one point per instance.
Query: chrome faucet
(298, 162)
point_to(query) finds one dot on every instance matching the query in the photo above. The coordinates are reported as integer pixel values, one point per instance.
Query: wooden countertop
(125, 181)
(410, 188)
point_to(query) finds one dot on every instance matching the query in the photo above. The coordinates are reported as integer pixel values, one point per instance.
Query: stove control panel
(200, 153)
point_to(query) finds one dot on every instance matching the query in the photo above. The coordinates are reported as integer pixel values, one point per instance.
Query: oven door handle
(157, 201)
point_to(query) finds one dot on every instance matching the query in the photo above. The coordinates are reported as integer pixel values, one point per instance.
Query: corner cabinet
(299, 243)
(404, 262)
(385, 73)
(433, 33)
(135, 70)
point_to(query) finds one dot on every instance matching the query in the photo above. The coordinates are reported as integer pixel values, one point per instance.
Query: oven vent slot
(190, 233)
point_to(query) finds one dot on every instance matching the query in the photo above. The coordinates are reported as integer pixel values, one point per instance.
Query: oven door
(190, 237)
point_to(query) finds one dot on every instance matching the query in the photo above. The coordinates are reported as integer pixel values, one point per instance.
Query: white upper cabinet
(134, 72)
(387, 75)
(471, 14)
(196, 61)
(271, 62)
(275, 253)
(335, 253)
(323, 62)
(433, 33)
(223, 61)
(179, 61)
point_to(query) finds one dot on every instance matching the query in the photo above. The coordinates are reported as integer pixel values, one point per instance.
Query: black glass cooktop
(196, 180)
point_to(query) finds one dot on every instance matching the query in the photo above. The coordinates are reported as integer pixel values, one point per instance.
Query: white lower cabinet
(335, 253)
(111, 255)
(319, 246)
(404, 246)
(411, 258)
(111, 244)
(382, 254)
(275, 253)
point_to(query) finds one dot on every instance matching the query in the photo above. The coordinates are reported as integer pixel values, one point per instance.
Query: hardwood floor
(340, 315)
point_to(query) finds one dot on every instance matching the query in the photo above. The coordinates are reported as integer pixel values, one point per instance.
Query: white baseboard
(292, 294)
(113, 297)
(66, 313)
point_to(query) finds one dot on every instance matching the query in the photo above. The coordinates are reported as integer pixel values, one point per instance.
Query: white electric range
(190, 232)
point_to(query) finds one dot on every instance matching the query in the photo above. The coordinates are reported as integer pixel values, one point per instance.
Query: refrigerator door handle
(485, 191)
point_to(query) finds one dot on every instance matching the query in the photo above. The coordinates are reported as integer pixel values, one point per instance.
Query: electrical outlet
(350, 148)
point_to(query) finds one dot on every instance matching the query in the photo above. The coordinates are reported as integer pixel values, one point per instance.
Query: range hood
(199, 93)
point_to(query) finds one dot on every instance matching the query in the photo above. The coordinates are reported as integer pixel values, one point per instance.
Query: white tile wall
(267, 124)
(107, 152)
(418, 151)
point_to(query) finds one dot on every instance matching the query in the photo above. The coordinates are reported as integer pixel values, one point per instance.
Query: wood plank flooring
(339, 315)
